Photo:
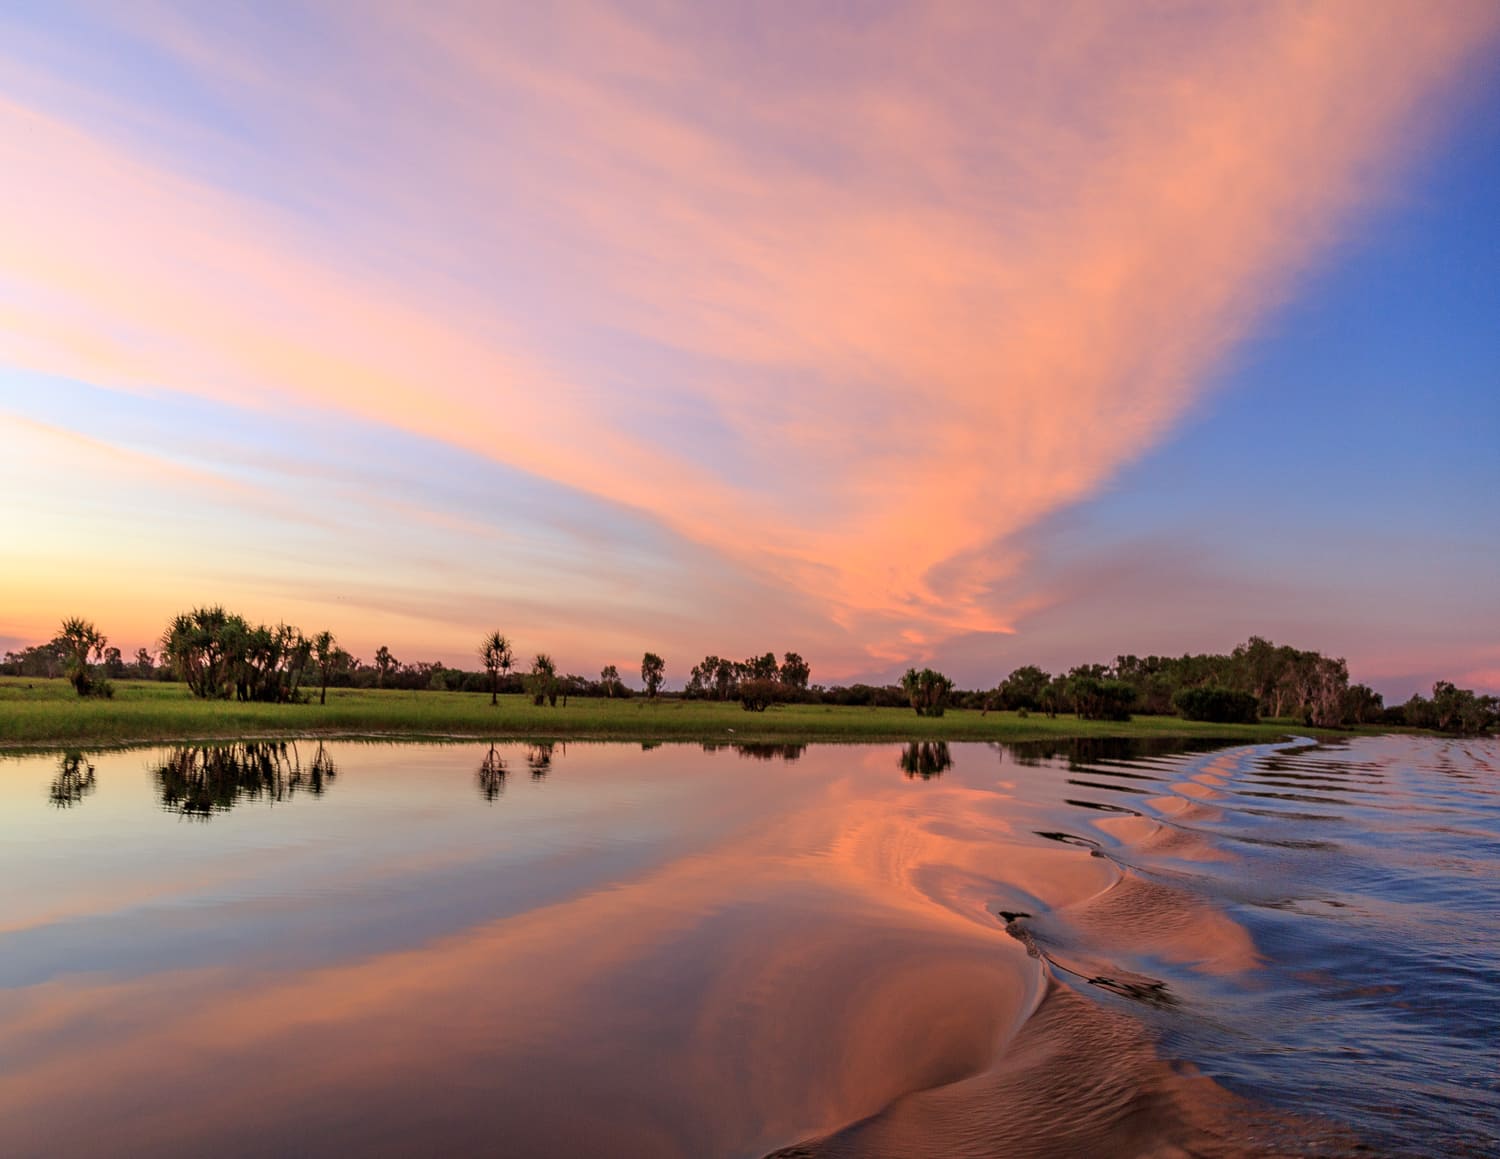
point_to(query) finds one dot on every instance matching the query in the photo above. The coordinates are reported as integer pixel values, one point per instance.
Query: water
(837, 950)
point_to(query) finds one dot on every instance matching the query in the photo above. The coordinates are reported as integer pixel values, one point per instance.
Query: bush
(1215, 703)
(1099, 699)
(759, 695)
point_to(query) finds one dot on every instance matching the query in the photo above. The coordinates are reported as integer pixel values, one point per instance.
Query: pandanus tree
(927, 690)
(541, 682)
(84, 646)
(496, 653)
(198, 646)
(330, 658)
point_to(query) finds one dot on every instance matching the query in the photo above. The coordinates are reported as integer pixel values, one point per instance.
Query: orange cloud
(912, 282)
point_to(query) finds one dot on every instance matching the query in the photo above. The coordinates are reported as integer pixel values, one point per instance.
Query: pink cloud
(947, 270)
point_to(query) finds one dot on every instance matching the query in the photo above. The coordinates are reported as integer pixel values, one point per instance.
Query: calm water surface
(826, 951)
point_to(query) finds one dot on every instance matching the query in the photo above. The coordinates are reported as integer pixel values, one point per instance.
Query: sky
(964, 335)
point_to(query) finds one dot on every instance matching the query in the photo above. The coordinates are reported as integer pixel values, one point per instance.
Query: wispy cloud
(847, 301)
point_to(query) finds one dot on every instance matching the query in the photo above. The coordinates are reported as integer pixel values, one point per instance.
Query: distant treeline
(221, 655)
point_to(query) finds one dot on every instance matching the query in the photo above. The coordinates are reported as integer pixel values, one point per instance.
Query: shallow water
(840, 950)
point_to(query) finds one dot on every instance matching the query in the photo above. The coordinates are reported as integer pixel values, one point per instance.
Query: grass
(46, 713)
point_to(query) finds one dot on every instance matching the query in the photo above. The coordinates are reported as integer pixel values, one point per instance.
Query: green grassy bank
(46, 713)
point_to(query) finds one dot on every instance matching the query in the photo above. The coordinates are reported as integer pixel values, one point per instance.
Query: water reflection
(1082, 752)
(759, 750)
(491, 774)
(697, 961)
(539, 757)
(201, 780)
(74, 781)
(925, 759)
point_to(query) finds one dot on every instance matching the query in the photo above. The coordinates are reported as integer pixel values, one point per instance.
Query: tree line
(221, 655)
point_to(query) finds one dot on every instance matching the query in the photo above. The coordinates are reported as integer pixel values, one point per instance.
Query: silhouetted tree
(1023, 688)
(609, 676)
(495, 652)
(1097, 697)
(653, 672)
(757, 695)
(795, 672)
(84, 645)
(385, 664)
(330, 659)
(927, 690)
(1215, 703)
(541, 682)
(197, 644)
(760, 668)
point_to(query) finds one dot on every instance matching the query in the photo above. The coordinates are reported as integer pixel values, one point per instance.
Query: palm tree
(81, 639)
(927, 690)
(496, 653)
(329, 655)
(542, 683)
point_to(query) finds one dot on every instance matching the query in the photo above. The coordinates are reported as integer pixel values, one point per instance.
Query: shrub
(759, 695)
(1215, 703)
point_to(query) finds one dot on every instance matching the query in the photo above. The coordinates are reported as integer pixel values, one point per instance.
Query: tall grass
(47, 712)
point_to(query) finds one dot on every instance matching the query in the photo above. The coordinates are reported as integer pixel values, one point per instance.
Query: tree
(701, 678)
(927, 690)
(1362, 704)
(795, 672)
(758, 694)
(609, 676)
(1097, 697)
(1218, 704)
(83, 644)
(385, 664)
(653, 672)
(330, 659)
(1023, 688)
(145, 666)
(760, 668)
(495, 652)
(723, 679)
(542, 680)
(197, 646)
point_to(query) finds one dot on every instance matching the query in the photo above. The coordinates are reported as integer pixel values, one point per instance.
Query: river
(828, 950)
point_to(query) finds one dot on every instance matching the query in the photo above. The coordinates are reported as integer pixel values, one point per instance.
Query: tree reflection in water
(201, 780)
(491, 775)
(539, 758)
(1082, 752)
(766, 751)
(74, 780)
(758, 750)
(926, 759)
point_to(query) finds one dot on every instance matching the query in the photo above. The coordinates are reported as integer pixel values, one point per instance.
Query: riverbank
(46, 713)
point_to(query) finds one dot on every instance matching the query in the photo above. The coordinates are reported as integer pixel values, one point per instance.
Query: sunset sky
(967, 335)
